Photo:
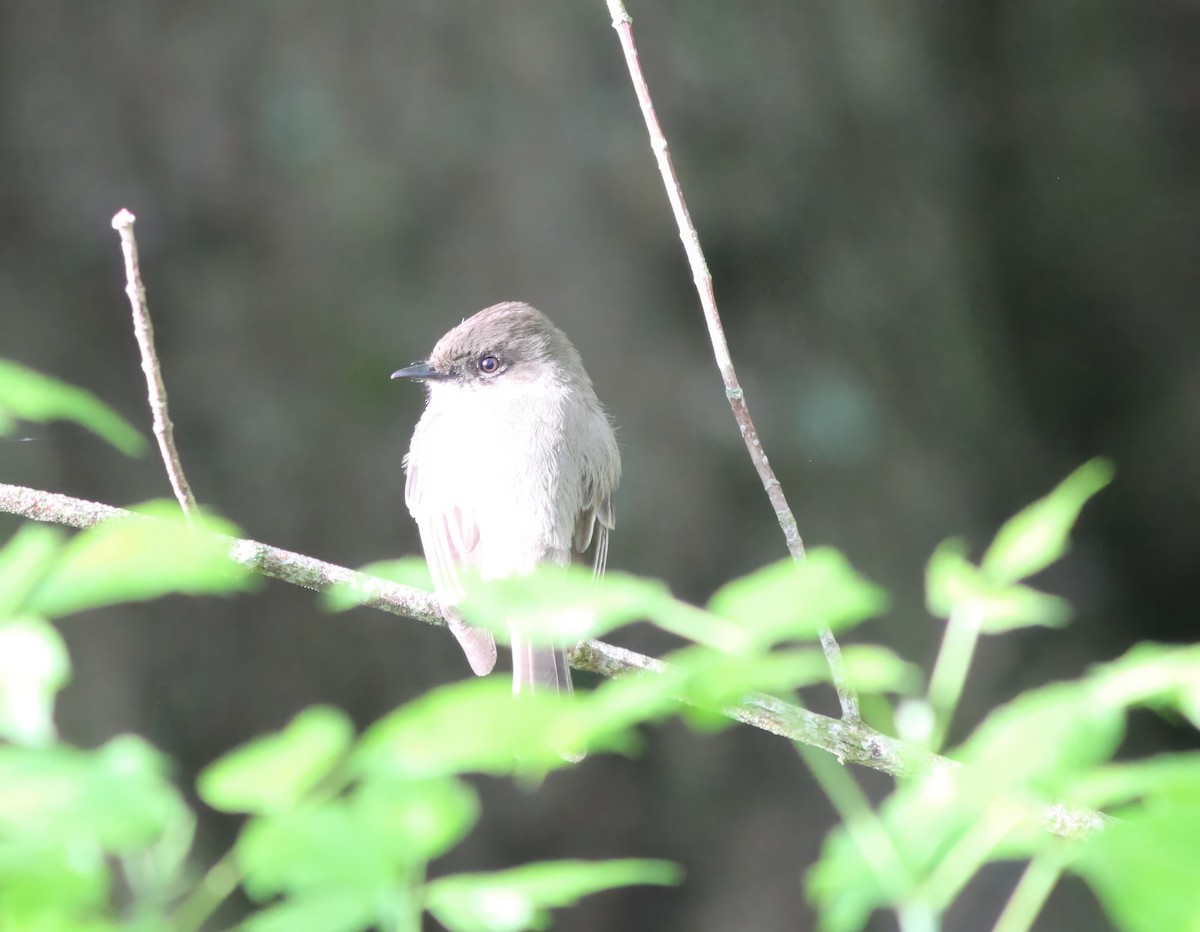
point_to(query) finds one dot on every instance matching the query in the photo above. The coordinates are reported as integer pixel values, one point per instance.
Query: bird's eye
(489, 365)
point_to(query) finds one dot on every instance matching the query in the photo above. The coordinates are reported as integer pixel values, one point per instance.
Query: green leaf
(51, 886)
(1166, 775)
(1156, 675)
(310, 848)
(410, 571)
(277, 771)
(1037, 536)
(873, 669)
(321, 911)
(130, 802)
(1144, 868)
(518, 899)
(879, 861)
(566, 604)
(1016, 606)
(792, 599)
(472, 726)
(138, 560)
(24, 563)
(1043, 739)
(365, 845)
(607, 716)
(712, 680)
(950, 578)
(954, 584)
(116, 799)
(34, 397)
(34, 666)
(1053, 743)
(425, 818)
(937, 829)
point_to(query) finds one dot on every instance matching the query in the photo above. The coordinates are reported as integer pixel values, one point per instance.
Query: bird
(512, 464)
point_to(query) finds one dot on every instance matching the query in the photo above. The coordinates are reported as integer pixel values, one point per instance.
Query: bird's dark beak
(422, 371)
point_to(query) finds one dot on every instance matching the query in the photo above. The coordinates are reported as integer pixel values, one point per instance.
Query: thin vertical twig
(144, 333)
(623, 24)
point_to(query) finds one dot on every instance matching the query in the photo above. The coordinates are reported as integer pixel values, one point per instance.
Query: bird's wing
(591, 530)
(450, 538)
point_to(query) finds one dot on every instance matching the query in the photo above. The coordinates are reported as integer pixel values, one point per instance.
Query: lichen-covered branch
(850, 742)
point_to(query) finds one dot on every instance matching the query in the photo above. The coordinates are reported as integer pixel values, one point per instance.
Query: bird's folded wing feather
(595, 521)
(450, 538)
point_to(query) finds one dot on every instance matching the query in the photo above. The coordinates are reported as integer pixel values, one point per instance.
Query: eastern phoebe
(512, 464)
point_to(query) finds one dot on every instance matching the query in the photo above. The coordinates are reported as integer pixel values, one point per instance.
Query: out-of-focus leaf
(1167, 776)
(1156, 675)
(34, 666)
(1049, 744)
(605, 718)
(320, 911)
(950, 578)
(1145, 868)
(861, 871)
(425, 818)
(1033, 749)
(366, 845)
(710, 679)
(1043, 739)
(310, 848)
(128, 561)
(953, 583)
(519, 899)
(792, 599)
(116, 799)
(930, 837)
(156, 873)
(36, 786)
(24, 562)
(409, 571)
(276, 771)
(131, 802)
(51, 886)
(27, 394)
(568, 604)
(472, 726)
(1017, 606)
(1038, 535)
(872, 669)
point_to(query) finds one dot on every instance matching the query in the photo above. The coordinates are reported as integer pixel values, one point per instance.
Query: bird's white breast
(494, 453)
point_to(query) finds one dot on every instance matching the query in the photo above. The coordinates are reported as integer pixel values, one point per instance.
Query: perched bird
(513, 463)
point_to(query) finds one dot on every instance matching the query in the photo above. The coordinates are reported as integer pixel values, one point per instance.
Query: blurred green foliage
(340, 828)
(31, 396)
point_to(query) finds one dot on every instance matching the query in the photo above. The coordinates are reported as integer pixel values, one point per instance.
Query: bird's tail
(477, 643)
(539, 668)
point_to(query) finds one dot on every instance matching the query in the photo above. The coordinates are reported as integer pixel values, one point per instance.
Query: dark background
(955, 247)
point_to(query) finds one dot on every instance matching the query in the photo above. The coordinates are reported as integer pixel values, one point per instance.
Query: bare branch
(855, 743)
(264, 559)
(850, 742)
(144, 333)
(716, 334)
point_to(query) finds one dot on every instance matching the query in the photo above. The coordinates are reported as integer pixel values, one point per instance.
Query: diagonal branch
(848, 741)
(716, 334)
(855, 743)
